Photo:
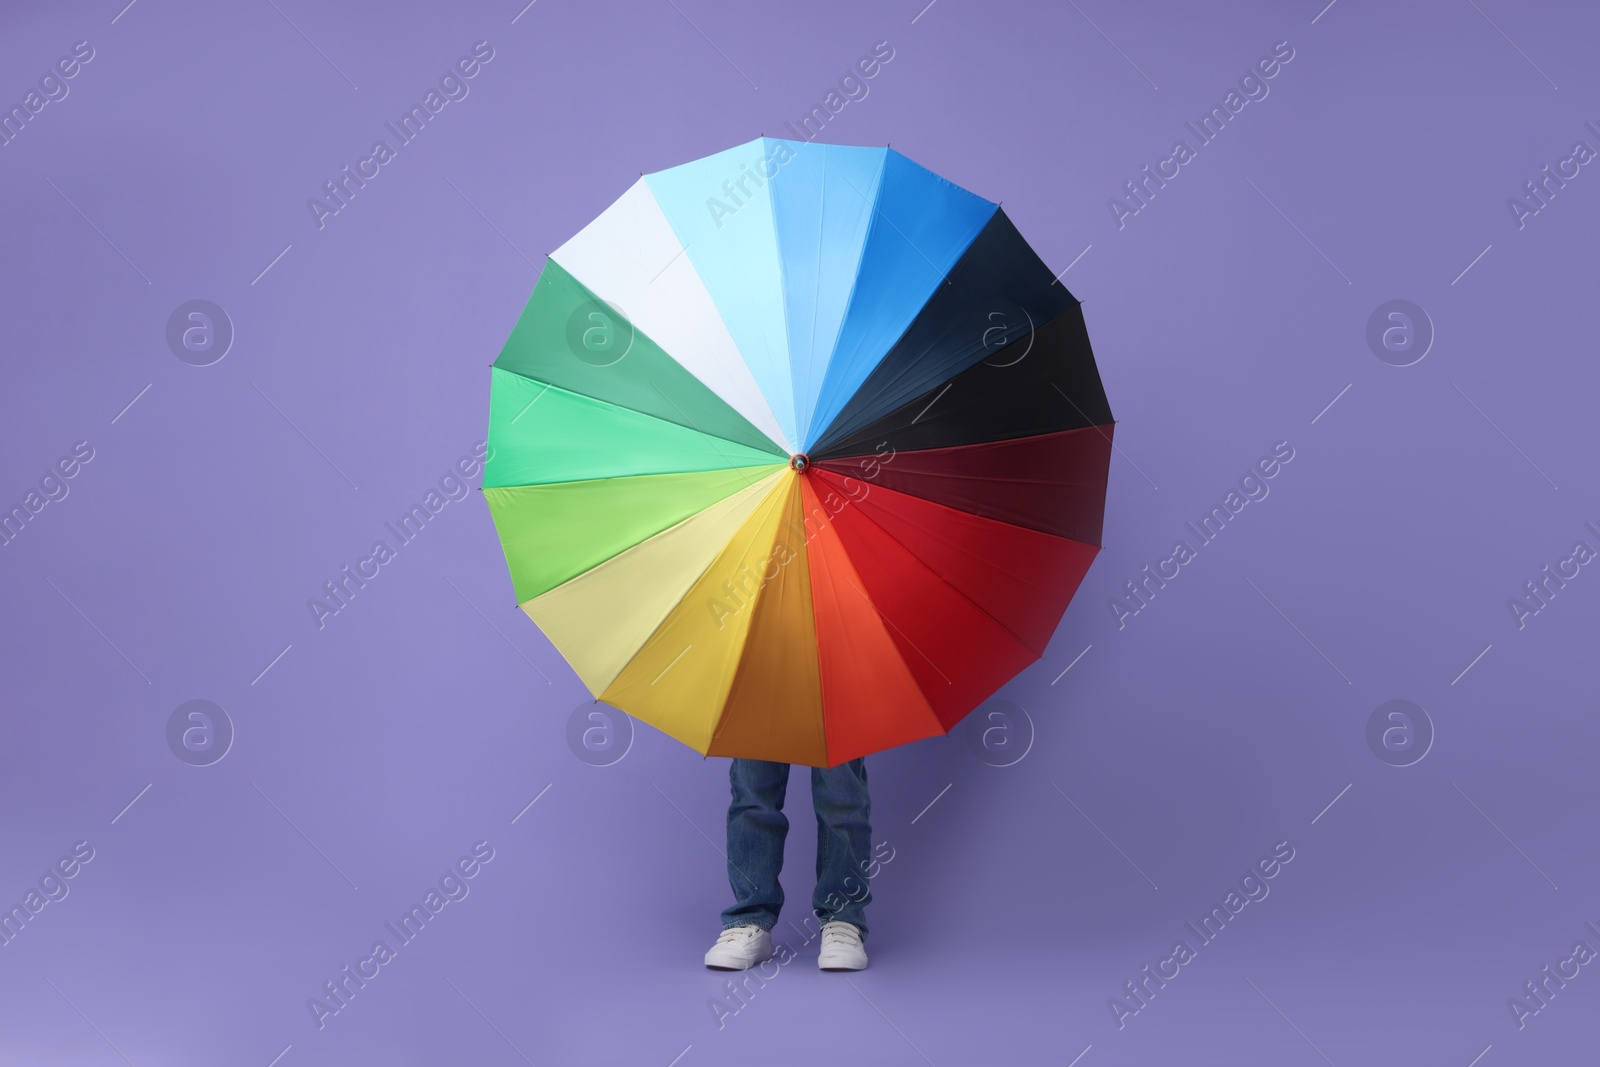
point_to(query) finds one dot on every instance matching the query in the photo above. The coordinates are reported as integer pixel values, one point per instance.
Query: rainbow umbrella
(797, 452)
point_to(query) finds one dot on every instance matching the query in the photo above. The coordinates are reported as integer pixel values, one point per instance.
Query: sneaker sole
(735, 965)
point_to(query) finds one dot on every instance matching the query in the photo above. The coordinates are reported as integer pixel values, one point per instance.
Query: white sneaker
(841, 948)
(739, 948)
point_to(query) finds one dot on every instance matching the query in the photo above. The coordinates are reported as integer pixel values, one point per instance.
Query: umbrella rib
(687, 423)
(940, 579)
(944, 276)
(713, 438)
(855, 276)
(829, 444)
(716, 441)
(899, 631)
(832, 468)
(783, 324)
(766, 502)
(816, 293)
(1102, 433)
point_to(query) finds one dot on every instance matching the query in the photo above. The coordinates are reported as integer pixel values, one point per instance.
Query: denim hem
(859, 927)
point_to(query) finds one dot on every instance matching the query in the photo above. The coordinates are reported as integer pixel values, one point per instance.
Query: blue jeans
(757, 827)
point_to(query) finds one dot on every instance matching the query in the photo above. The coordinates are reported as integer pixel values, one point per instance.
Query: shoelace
(848, 934)
(735, 933)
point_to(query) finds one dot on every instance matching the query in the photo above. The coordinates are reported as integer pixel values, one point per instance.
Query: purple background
(428, 714)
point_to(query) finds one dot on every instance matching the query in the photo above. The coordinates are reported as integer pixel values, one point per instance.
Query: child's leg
(844, 843)
(757, 827)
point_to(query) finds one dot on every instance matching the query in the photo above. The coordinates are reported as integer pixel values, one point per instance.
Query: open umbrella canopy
(797, 452)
